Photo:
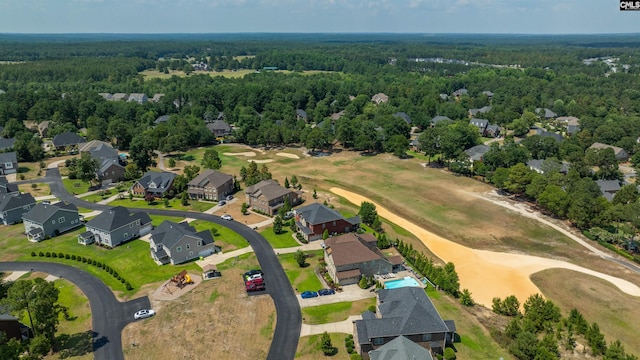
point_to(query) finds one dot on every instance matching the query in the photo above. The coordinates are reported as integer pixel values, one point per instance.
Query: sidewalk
(314, 245)
(345, 326)
(349, 293)
(219, 258)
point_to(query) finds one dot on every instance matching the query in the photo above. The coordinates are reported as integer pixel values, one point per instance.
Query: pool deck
(399, 276)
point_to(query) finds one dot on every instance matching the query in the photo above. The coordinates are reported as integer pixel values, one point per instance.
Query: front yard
(282, 240)
(339, 311)
(302, 279)
(226, 238)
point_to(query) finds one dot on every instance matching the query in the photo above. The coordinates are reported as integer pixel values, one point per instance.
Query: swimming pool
(407, 281)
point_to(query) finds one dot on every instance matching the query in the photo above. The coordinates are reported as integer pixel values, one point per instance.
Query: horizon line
(316, 33)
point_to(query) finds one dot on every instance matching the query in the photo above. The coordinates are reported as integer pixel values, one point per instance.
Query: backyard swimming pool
(407, 281)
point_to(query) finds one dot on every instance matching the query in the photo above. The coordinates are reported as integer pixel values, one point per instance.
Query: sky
(317, 16)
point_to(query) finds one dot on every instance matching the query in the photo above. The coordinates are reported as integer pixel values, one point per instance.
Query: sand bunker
(487, 274)
(287, 155)
(247, 153)
(261, 161)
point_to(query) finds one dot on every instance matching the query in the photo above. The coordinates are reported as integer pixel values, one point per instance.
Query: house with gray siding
(13, 206)
(6, 187)
(176, 243)
(407, 312)
(115, 226)
(8, 163)
(48, 220)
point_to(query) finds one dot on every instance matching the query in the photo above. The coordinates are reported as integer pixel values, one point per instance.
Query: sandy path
(246, 153)
(487, 274)
(287, 155)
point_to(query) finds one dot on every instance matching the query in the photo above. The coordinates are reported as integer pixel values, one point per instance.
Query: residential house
(460, 92)
(481, 124)
(380, 98)
(489, 94)
(571, 124)
(9, 326)
(109, 167)
(400, 348)
(555, 136)
(13, 206)
(302, 115)
(407, 312)
(312, 221)
(156, 98)
(6, 187)
(219, 128)
(415, 144)
(43, 128)
(115, 226)
(8, 163)
(482, 110)
(158, 184)
(106, 96)
(436, 119)
(2, 92)
(7, 144)
(176, 243)
(119, 97)
(543, 166)
(404, 116)
(338, 115)
(268, 196)
(621, 154)
(609, 188)
(67, 139)
(210, 185)
(47, 220)
(444, 97)
(139, 98)
(545, 113)
(351, 256)
(492, 130)
(477, 152)
(161, 119)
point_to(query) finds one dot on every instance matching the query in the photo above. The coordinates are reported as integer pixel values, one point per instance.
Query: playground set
(178, 281)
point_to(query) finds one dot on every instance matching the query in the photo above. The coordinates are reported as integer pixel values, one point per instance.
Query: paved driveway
(109, 316)
(288, 316)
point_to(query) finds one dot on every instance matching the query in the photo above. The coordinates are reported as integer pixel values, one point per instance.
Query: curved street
(288, 315)
(109, 316)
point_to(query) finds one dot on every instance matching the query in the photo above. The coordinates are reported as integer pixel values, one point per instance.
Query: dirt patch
(487, 274)
(170, 291)
(287, 155)
(246, 153)
(217, 317)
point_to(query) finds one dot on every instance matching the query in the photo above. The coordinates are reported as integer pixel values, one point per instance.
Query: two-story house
(176, 243)
(312, 221)
(110, 169)
(67, 140)
(8, 163)
(210, 185)
(481, 124)
(13, 206)
(400, 348)
(115, 226)
(158, 184)
(47, 220)
(268, 196)
(407, 312)
(620, 153)
(219, 128)
(350, 256)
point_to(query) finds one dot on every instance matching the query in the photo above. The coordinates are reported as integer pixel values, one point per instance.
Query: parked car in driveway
(229, 197)
(309, 294)
(226, 217)
(323, 292)
(221, 202)
(142, 314)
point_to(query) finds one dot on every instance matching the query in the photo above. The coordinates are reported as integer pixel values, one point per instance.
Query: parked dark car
(309, 294)
(323, 292)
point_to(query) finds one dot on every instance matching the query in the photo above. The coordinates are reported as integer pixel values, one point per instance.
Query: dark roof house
(6, 144)
(302, 115)
(436, 119)
(117, 225)
(268, 196)
(404, 116)
(219, 128)
(545, 113)
(400, 348)
(312, 220)
(6, 187)
(13, 206)
(157, 184)
(609, 188)
(65, 139)
(477, 152)
(621, 154)
(177, 243)
(8, 163)
(162, 118)
(47, 220)
(210, 185)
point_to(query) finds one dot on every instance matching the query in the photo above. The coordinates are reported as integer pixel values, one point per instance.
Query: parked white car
(226, 217)
(142, 314)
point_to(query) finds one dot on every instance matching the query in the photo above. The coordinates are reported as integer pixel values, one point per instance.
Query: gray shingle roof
(99, 150)
(13, 201)
(170, 233)
(402, 311)
(162, 180)
(41, 212)
(116, 218)
(301, 113)
(8, 157)
(162, 118)
(400, 348)
(476, 152)
(219, 126)
(546, 113)
(404, 116)
(437, 119)
(481, 123)
(68, 138)
(608, 188)
(555, 136)
(318, 214)
(7, 143)
(210, 176)
(269, 188)
(7, 187)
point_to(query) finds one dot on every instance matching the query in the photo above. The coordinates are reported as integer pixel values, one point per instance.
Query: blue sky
(312, 16)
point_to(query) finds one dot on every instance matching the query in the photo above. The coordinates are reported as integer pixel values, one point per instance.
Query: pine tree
(286, 183)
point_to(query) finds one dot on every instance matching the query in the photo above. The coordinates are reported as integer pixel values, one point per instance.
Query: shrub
(99, 264)
(122, 280)
(67, 256)
(61, 255)
(47, 254)
(372, 308)
(34, 185)
(349, 349)
(54, 255)
(33, 253)
(78, 258)
(41, 254)
(355, 357)
(73, 257)
(115, 274)
(128, 286)
(93, 262)
(84, 259)
(449, 354)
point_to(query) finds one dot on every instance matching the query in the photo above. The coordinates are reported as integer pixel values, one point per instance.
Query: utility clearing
(487, 274)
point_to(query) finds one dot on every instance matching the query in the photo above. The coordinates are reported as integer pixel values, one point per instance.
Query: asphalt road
(109, 315)
(288, 315)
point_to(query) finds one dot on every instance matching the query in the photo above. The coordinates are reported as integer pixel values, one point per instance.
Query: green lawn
(174, 204)
(78, 305)
(226, 238)
(309, 347)
(75, 186)
(156, 220)
(282, 240)
(302, 279)
(339, 311)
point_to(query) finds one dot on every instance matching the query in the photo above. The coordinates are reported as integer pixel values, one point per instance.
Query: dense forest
(368, 93)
